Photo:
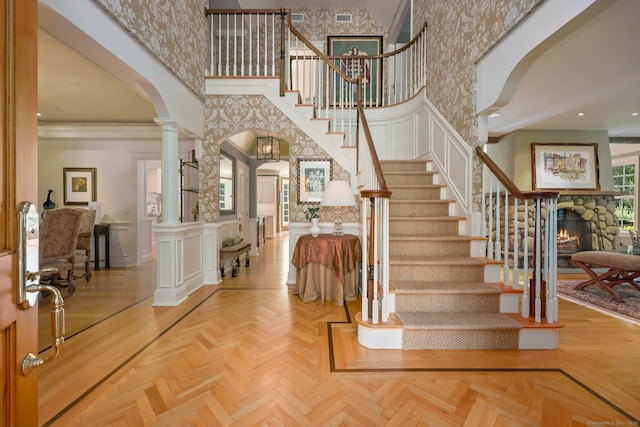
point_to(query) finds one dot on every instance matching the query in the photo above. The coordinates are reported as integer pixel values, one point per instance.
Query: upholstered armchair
(83, 247)
(58, 239)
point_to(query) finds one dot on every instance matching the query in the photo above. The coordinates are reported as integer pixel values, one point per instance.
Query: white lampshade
(337, 193)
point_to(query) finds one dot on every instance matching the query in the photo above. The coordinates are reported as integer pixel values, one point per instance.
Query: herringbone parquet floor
(250, 353)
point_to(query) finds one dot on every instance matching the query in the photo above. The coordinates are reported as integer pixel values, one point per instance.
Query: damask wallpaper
(176, 32)
(227, 115)
(321, 22)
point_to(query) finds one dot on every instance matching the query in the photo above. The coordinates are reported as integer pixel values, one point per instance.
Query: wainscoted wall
(115, 152)
(459, 32)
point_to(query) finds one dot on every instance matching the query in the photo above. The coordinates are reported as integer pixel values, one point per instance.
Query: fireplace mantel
(591, 193)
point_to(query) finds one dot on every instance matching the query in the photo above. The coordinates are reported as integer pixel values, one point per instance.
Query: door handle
(29, 286)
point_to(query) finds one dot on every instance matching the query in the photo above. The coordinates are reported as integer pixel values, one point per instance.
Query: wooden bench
(234, 252)
(622, 268)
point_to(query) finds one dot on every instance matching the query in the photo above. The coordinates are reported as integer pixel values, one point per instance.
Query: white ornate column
(170, 163)
(171, 289)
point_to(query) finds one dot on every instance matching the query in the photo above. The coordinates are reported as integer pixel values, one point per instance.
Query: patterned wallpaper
(458, 34)
(321, 22)
(227, 115)
(176, 32)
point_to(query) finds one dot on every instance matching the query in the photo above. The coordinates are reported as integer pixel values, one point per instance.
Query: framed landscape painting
(564, 166)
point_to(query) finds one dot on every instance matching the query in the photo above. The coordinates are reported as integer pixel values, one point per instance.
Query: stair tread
(429, 238)
(435, 260)
(421, 201)
(463, 320)
(449, 288)
(402, 173)
(425, 218)
(413, 186)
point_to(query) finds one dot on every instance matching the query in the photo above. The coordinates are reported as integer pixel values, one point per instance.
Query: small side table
(101, 230)
(327, 267)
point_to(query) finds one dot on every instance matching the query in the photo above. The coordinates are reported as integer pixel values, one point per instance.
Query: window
(223, 196)
(285, 202)
(624, 180)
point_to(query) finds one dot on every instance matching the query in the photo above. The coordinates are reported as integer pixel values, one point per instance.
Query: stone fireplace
(588, 223)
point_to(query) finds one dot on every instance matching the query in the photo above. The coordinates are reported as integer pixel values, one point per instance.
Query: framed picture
(352, 49)
(564, 166)
(79, 186)
(313, 177)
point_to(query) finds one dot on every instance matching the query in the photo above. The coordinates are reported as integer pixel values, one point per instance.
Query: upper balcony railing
(264, 43)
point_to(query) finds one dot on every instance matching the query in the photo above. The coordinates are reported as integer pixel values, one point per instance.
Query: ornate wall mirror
(227, 184)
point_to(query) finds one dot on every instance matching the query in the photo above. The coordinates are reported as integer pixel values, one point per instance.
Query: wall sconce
(268, 149)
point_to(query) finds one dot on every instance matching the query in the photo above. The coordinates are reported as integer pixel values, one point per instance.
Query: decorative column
(170, 162)
(171, 289)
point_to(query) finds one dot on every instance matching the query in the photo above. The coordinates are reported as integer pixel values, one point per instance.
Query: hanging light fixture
(268, 149)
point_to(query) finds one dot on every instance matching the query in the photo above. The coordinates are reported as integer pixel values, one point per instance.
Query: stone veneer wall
(600, 211)
(597, 209)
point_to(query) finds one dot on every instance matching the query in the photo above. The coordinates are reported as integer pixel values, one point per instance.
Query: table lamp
(338, 194)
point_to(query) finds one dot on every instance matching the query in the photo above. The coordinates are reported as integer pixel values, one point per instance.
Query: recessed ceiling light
(496, 114)
(635, 114)
(39, 114)
(580, 114)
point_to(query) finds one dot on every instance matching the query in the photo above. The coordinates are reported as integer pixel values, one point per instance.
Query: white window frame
(623, 161)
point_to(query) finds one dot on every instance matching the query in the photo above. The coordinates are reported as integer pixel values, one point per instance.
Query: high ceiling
(595, 71)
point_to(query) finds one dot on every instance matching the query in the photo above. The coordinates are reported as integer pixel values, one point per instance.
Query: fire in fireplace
(574, 233)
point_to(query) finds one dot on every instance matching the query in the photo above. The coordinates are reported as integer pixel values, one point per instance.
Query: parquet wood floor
(250, 353)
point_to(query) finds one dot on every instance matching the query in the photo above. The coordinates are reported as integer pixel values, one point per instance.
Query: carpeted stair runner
(440, 294)
(458, 331)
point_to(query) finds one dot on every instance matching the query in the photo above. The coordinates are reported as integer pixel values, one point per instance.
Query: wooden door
(18, 182)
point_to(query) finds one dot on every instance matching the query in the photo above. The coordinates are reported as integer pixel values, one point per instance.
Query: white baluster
(525, 263)
(506, 280)
(385, 266)
(498, 247)
(490, 214)
(266, 45)
(365, 261)
(538, 263)
(516, 247)
(273, 45)
(242, 44)
(250, 44)
(211, 52)
(235, 44)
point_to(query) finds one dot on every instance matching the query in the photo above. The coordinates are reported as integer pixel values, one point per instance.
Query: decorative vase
(315, 228)
(48, 204)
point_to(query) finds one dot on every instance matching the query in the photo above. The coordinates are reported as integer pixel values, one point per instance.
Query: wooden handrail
(239, 11)
(317, 51)
(362, 120)
(388, 54)
(509, 185)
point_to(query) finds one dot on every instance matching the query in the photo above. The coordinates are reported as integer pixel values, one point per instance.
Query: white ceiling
(596, 70)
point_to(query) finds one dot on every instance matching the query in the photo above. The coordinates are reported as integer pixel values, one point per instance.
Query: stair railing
(521, 228)
(264, 43)
(375, 219)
